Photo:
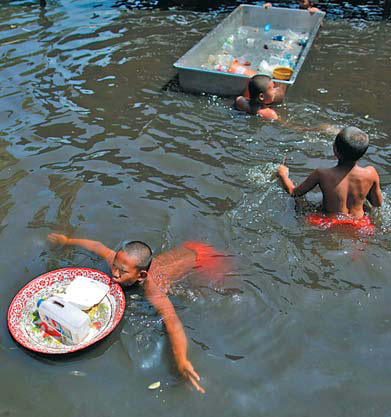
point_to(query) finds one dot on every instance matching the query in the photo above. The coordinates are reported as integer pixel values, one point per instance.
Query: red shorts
(208, 260)
(362, 224)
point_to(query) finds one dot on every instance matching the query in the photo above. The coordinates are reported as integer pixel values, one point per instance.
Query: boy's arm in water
(175, 331)
(268, 113)
(91, 245)
(375, 195)
(325, 128)
(307, 185)
(243, 104)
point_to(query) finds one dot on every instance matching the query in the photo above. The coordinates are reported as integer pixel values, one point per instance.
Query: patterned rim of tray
(23, 318)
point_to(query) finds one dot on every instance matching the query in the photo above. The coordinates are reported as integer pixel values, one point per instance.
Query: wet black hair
(139, 251)
(312, 3)
(257, 85)
(351, 143)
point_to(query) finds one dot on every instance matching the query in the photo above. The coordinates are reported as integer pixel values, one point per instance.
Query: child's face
(304, 4)
(268, 97)
(124, 269)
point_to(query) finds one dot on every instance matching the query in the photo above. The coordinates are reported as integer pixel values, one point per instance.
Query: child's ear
(142, 276)
(261, 97)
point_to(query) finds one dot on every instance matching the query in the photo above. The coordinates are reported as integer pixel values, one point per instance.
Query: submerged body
(346, 186)
(255, 108)
(162, 272)
(262, 92)
(362, 224)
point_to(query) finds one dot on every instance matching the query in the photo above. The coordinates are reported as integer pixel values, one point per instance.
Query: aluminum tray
(194, 77)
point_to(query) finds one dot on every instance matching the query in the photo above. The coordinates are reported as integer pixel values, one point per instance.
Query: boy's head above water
(304, 4)
(350, 144)
(261, 89)
(131, 263)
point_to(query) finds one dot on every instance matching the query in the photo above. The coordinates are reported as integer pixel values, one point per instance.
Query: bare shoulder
(242, 103)
(371, 170)
(322, 175)
(152, 289)
(322, 172)
(268, 113)
(110, 257)
(329, 172)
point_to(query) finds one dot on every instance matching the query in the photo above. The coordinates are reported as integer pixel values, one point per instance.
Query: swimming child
(133, 263)
(345, 187)
(303, 4)
(308, 5)
(262, 93)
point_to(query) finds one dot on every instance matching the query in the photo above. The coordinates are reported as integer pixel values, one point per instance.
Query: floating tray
(23, 319)
(196, 78)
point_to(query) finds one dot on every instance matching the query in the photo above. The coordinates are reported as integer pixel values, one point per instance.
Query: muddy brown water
(98, 141)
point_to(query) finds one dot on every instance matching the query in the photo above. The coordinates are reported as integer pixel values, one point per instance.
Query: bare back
(345, 189)
(172, 266)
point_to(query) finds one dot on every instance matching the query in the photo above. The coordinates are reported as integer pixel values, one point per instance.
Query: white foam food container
(85, 292)
(66, 319)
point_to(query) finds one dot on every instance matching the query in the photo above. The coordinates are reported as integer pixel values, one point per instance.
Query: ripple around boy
(345, 187)
(133, 263)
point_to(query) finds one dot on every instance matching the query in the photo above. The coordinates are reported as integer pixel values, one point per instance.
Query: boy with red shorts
(133, 263)
(345, 187)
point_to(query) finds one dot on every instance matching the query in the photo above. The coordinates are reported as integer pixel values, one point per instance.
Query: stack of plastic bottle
(256, 50)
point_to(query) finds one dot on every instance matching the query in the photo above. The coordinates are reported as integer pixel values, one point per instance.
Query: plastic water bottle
(227, 46)
(303, 42)
(242, 32)
(250, 42)
(66, 319)
(231, 39)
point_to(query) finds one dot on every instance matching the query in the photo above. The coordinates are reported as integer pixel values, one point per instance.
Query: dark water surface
(94, 144)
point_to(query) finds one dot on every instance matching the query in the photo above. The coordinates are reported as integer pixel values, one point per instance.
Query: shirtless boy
(133, 263)
(303, 4)
(262, 93)
(346, 186)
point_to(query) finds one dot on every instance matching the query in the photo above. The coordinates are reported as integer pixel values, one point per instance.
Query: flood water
(98, 141)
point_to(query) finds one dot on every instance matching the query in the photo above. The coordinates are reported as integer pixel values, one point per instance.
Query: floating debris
(155, 385)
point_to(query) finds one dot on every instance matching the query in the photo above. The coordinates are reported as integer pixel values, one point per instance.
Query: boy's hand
(332, 129)
(313, 10)
(58, 239)
(187, 370)
(283, 170)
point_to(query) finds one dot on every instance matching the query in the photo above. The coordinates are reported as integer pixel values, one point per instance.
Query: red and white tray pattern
(104, 318)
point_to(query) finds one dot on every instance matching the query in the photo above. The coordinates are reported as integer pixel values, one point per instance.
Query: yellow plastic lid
(282, 73)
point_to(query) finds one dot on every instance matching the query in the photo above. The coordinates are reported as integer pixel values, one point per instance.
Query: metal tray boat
(277, 36)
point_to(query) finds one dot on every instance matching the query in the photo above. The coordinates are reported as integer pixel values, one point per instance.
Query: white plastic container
(85, 292)
(65, 318)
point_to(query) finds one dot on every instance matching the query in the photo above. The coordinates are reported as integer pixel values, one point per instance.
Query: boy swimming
(133, 262)
(303, 4)
(262, 93)
(346, 186)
